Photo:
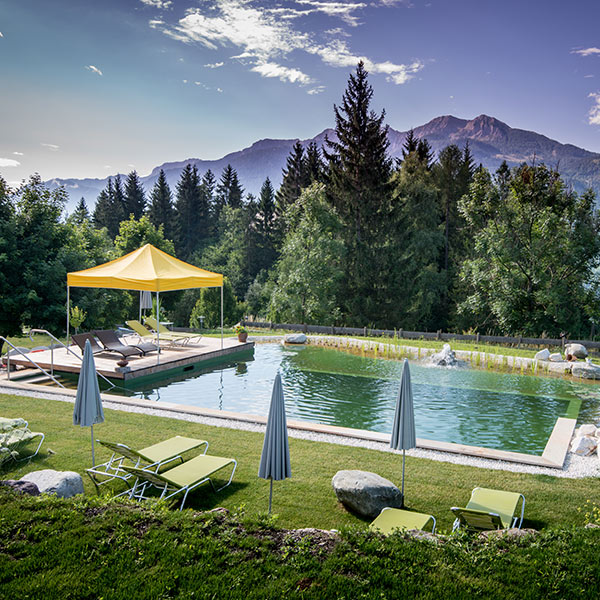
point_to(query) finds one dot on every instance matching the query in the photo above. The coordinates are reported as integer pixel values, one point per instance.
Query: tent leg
(158, 328)
(68, 313)
(222, 319)
(140, 319)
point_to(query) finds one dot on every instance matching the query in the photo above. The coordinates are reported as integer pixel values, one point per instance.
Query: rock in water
(577, 350)
(295, 338)
(543, 354)
(365, 493)
(62, 483)
(444, 358)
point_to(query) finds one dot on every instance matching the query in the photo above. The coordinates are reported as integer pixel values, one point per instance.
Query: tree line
(352, 237)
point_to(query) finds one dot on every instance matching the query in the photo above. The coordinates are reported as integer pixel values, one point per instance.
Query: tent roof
(146, 268)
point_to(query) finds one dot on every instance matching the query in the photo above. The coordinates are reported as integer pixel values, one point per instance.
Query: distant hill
(491, 142)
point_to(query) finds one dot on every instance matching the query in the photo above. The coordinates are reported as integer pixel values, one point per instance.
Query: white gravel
(575, 466)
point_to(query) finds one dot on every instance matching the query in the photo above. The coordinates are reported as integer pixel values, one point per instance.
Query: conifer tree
(294, 178)
(162, 211)
(135, 199)
(425, 153)
(313, 165)
(207, 189)
(109, 207)
(229, 190)
(411, 143)
(81, 214)
(189, 211)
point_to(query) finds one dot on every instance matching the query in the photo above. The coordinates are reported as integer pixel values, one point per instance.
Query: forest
(351, 237)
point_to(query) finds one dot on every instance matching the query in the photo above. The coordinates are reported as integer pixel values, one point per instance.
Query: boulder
(585, 371)
(62, 483)
(365, 493)
(295, 338)
(444, 358)
(25, 487)
(556, 357)
(583, 445)
(577, 350)
(508, 534)
(542, 354)
(586, 430)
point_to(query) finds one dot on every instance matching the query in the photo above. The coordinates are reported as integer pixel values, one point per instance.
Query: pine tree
(189, 211)
(229, 191)
(425, 153)
(109, 207)
(411, 143)
(81, 214)
(294, 178)
(313, 165)
(135, 199)
(162, 211)
(262, 239)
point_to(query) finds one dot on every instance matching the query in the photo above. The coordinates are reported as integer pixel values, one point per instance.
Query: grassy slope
(307, 499)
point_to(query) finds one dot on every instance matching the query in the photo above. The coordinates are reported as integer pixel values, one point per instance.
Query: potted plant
(242, 333)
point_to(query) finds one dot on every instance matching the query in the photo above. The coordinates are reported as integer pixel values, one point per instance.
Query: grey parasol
(404, 436)
(275, 457)
(88, 404)
(145, 302)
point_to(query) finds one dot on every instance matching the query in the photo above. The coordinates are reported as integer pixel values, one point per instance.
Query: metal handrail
(45, 331)
(29, 359)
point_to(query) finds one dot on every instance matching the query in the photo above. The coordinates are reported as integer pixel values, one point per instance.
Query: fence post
(400, 332)
(364, 331)
(478, 337)
(439, 334)
(332, 330)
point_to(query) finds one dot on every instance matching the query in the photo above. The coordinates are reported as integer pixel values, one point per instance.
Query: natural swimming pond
(467, 406)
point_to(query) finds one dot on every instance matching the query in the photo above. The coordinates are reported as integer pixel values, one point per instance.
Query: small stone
(508, 534)
(556, 357)
(577, 350)
(25, 487)
(543, 354)
(64, 484)
(583, 445)
(586, 430)
(365, 493)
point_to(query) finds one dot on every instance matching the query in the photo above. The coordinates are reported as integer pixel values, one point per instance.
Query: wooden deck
(171, 358)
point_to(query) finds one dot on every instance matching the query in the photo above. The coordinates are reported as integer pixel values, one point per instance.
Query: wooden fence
(422, 335)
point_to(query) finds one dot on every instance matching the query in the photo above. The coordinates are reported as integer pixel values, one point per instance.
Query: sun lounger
(396, 519)
(147, 335)
(153, 457)
(181, 479)
(15, 438)
(490, 509)
(80, 339)
(109, 339)
(174, 335)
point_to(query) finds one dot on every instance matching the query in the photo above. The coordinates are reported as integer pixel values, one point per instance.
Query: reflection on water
(482, 408)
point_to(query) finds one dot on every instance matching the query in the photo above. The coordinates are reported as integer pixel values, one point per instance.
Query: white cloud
(271, 69)
(156, 23)
(162, 4)
(1, 35)
(94, 69)
(18, 154)
(587, 76)
(52, 147)
(261, 36)
(185, 80)
(214, 65)
(316, 90)
(594, 114)
(587, 51)
(219, 90)
(9, 162)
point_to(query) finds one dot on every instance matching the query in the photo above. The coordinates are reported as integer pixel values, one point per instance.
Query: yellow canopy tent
(146, 269)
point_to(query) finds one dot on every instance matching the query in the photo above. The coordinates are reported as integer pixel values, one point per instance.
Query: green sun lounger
(490, 509)
(16, 438)
(181, 479)
(394, 519)
(153, 457)
(173, 335)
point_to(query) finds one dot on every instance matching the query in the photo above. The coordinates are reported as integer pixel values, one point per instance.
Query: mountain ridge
(491, 141)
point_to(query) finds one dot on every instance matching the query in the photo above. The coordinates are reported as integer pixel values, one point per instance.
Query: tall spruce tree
(294, 178)
(189, 211)
(81, 214)
(162, 211)
(229, 191)
(109, 211)
(359, 188)
(134, 196)
(209, 186)
(411, 143)
(313, 165)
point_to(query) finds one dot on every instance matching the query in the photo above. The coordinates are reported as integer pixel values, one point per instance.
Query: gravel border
(575, 467)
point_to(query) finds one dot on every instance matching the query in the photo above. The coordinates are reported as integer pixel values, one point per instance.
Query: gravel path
(575, 466)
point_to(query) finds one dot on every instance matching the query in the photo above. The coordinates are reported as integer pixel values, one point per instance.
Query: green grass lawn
(307, 499)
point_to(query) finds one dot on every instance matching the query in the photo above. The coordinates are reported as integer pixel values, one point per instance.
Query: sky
(89, 88)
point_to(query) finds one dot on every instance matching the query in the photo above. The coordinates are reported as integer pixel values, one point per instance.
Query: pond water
(467, 406)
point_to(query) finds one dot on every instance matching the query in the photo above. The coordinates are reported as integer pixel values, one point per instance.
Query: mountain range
(491, 142)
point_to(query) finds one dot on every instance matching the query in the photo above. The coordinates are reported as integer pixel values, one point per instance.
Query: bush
(209, 306)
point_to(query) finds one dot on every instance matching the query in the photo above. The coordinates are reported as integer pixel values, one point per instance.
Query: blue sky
(94, 87)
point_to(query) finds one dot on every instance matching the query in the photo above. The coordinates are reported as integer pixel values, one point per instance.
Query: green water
(466, 406)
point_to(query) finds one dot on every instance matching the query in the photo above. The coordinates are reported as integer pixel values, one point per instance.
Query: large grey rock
(444, 358)
(587, 429)
(583, 445)
(577, 350)
(25, 487)
(62, 483)
(295, 338)
(542, 354)
(585, 370)
(555, 357)
(365, 493)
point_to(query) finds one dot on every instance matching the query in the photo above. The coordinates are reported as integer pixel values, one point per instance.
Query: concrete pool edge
(553, 456)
